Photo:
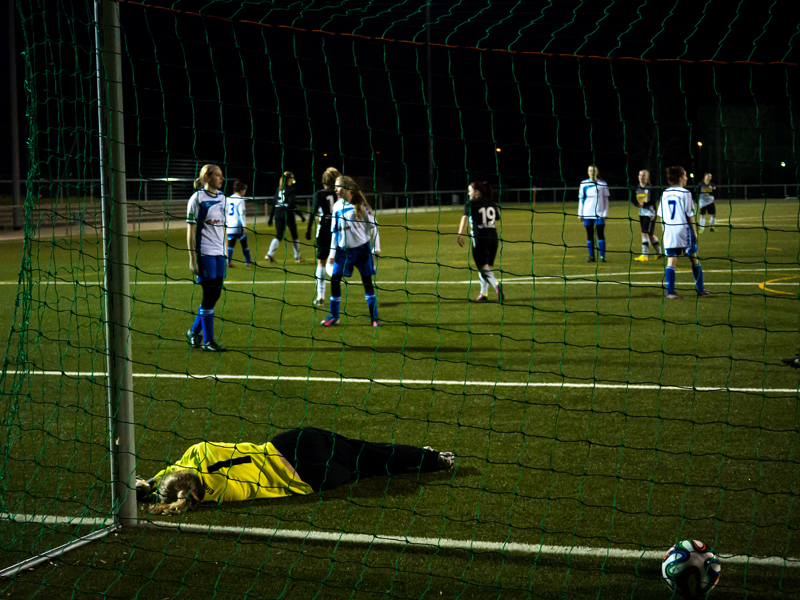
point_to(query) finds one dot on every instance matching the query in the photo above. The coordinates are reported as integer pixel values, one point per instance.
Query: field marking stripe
(772, 283)
(405, 541)
(434, 382)
(504, 282)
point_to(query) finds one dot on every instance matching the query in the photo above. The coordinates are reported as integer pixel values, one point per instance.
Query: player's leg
(245, 249)
(322, 244)
(702, 225)
(600, 225)
(479, 258)
(653, 239)
(697, 271)
(231, 244)
(291, 223)
(341, 268)
(212, 290)
(712, 211)
(669, 275)
(589, 225)
(280, 230)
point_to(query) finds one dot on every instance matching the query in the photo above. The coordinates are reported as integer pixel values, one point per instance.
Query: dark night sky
(264, 87)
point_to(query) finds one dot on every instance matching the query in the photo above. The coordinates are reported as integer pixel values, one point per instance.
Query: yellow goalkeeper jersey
(236, 472)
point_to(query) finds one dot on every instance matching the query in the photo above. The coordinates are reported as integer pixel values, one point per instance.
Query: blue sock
(697, 271)
(197, 326)
(246, 252)
(590, 247)
(335, 306)
(372, 303)
(670, 280)
(230, 254)
(208, 324)
(601, 245)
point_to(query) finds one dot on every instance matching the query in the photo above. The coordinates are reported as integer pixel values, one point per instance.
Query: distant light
(700, 144)
(691, 175)
(377, 152)
(498, 149)
(783, 164)
(324, 155)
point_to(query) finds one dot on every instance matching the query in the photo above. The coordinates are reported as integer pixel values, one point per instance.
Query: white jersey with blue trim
(207, 211)
(348, 231)
(675, 209)
(593, 199)
(235, 214)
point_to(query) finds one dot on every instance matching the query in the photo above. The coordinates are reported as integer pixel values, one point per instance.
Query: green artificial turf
(586, 411)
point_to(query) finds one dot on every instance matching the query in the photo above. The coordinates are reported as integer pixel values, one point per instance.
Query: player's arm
(581, 200)
(461, 227)
(190, 243)
(311, 217)
(376, 240)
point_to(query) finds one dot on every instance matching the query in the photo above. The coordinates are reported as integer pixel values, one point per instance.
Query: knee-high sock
(197, 326)
(670, 275)
(601, 246)
(702, 221)
(273, 246)
(656, 244)
(645, 247)
(372, 304)
(713, 220)
(230, 253)
(697, 271)
(488, 275)
(335, 302)
(207, 316)
(484, 283)
(319, 274)
(590, 247)
(247, 258)
(296, 245)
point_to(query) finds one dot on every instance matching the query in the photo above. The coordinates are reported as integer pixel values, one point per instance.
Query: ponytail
(286, 175)
(357, 198)
(201, 180)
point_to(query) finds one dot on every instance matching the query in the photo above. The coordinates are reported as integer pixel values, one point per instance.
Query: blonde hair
(205, 173)
(178, 492)
(329, 177)
(286, 175)
(356, 196)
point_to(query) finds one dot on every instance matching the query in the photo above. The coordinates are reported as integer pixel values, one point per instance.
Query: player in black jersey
(646, 200)
(324, 200)
(283, 213)
(482, 213)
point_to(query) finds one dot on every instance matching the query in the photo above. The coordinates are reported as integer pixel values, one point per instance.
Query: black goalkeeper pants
(326, 460)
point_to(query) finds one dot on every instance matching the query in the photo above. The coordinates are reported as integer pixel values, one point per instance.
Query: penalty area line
(428, 383)
(427, 543)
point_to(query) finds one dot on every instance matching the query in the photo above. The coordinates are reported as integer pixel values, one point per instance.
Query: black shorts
(711, 209)
(323, 241)
(326, 460)
(648, 224)
(484, 249)
(283, 219)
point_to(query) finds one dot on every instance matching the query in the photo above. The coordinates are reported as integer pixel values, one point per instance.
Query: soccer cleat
(591, 259)
(701, 229)
(319, 301)
(249, 264)
(703, 293)
(712, 229)
(481, 298)
(791, 362)
(231, 265)
(499, 291)
(269, 258)
(659, 256)
(376, 323)
(299, 259)
(641, 258)
(446, 460)
(212, 346)
(195, 339)
(603, 259)
(329, 321)
(674, 297)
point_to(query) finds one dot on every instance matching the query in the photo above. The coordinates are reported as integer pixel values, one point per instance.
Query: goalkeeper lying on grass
(300, 461)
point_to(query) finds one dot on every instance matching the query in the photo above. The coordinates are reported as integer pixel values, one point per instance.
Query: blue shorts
(237, 235)
(211, 267)
(359, 258)
(597, 221)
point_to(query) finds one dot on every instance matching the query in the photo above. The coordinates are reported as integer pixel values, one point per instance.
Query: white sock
(645, 247)
(488, 277)
(296, 244)
(702, 221)
(713, 221)
(484, 284)
(320, 275)
(273, 246)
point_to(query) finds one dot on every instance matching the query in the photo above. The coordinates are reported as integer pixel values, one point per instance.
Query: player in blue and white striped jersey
(354, 240)
(680, 232)
(205, 237)
(235, 223)
(593, 209)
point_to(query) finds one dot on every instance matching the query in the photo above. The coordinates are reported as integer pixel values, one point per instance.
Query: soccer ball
(690, 569)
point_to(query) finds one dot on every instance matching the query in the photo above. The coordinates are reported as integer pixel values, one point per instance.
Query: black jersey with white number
(483, 216)
(323, 207)
(284, 198)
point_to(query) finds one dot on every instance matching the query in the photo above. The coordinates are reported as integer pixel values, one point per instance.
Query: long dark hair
(485, 188)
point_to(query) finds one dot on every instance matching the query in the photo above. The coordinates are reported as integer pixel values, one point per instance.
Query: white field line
(434, 544)
(433, 383)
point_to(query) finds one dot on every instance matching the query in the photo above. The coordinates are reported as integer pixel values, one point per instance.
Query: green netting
(595, 423)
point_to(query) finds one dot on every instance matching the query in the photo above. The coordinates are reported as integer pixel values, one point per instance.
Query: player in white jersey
(354, 240)
(593, 209)
(235, 223)
(705, 194)
(680, 232)
(206, 240)
(324, 200)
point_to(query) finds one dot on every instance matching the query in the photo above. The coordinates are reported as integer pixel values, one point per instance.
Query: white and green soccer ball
(691, 569)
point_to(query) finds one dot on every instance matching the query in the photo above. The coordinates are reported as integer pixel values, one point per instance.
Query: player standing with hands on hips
(680, 232)
(645, 200)
(324, 200)
(354, 240)
(705, 194)
(235, 223)
(283, 214)
(482, 213)
(205, 238)
(593, 209)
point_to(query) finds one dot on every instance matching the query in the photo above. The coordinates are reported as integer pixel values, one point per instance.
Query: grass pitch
(588, 413)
